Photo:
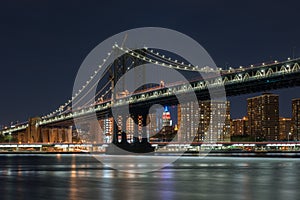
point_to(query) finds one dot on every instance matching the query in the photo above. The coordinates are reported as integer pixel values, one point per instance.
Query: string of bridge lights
(170, 63)
(106, 92)
(189, 67)
(100, 91)
(62, 107)
(169, 60)
(165, 62)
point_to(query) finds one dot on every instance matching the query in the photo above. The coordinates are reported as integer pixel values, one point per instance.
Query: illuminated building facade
(285, 129)
(263, 116)
(108, 129)
(239, 127)
(166, 117)
(214, 122)
(296, 119)
(207, 121)
(188, 119)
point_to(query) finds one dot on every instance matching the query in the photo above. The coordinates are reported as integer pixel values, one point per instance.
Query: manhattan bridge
(235, 81)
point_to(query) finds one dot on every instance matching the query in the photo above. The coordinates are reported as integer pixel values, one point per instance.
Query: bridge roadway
(235, 81)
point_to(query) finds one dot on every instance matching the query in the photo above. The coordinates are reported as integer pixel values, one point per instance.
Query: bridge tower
(119, 67)
(33, 131)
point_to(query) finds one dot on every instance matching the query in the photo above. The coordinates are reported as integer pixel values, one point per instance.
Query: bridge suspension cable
(168, 64)
(64, 106)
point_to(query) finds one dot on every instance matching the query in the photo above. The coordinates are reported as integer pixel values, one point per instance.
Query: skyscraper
(166, 117)
(285, 129)
(188, 121)
(296, 119)
(207, 121)
(239, 127)
(263, 117)
(214, 122)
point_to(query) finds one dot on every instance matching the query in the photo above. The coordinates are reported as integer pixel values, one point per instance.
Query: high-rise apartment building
(263, 117)
(285, 129)
(239, 127)
(296, 119)
(208, 121)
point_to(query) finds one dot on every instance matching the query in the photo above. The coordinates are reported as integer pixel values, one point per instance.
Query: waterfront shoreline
(270, 154)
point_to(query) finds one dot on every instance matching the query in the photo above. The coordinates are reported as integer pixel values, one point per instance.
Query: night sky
(43, 42)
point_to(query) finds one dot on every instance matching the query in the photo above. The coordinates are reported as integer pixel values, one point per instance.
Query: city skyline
(44, 43)
(150, 99)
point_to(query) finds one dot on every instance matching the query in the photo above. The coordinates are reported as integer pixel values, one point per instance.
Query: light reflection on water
(83, 177)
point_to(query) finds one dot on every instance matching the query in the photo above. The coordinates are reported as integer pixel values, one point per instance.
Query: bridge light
(104, 60)
(100, 66)
(163, 56)
(176, 61)
(251, 65)
(263, 64)
(289, 58)
(276, 61)
(108, 53)
(241, 67)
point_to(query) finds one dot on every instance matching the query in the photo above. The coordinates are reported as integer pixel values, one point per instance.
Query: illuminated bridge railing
(14, 129)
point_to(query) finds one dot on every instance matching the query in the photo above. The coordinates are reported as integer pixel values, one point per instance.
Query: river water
(81, 176)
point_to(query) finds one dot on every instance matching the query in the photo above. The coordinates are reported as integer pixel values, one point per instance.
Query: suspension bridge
(235, 81)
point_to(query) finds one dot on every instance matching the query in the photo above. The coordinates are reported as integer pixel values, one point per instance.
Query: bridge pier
(56, 134)
(140, 142)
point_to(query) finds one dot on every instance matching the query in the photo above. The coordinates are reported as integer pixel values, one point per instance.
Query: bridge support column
(33, 131)
(140, 130)
(68, 137)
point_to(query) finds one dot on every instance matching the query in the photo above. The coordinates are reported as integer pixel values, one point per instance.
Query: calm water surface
(64, 177)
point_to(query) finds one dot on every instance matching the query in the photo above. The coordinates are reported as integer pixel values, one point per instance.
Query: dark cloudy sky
(43, 42)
